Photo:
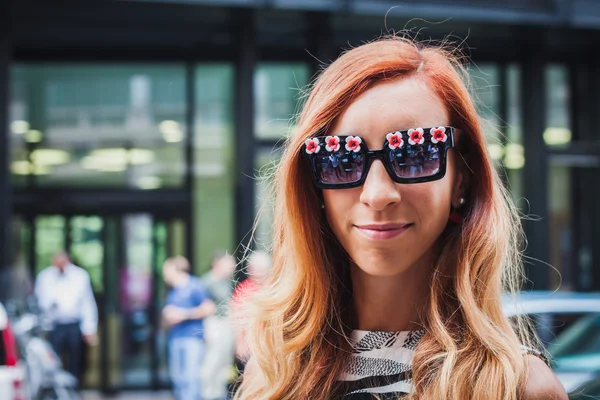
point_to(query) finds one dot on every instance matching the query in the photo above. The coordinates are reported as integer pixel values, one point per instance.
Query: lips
(383, 231)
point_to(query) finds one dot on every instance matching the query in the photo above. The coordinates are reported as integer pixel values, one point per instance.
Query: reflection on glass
(514, 154)
(110, 319)
(15, 279)
(20, 243)
(560, 225)
(49, 238)
(582, 338)
(277, 93)
(214, 177)
(558, 133)
(485, 78)
(160, 255)
(135, 281)
(87, 249)
(558, 126)
(98, 126)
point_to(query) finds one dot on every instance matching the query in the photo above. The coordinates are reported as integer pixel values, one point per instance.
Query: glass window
(214, 180)
(15, 278)
(265, 165)
(277, 94)
(135, 297)
(98, 125)
(514, 153)
(558, 115)
(20, 243)
(485, 78)
(580, 338)
(49, 238)
(557, 134)
(19, 131)
(87, 249)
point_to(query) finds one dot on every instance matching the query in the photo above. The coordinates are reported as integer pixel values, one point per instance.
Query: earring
(456, 216)
(322, 206)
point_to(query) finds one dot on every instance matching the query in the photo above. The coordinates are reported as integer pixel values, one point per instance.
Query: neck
(391, 303)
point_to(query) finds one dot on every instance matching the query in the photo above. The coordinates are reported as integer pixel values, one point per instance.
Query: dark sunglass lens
(417, 161)
(338, 167)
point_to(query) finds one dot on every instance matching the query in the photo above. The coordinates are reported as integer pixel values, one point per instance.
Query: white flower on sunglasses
(438, 135)
(353, 143)
(312, 146)
(415, 136)
(332, 143)
(395, 140)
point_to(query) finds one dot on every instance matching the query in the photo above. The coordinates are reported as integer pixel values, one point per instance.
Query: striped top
(381, 364)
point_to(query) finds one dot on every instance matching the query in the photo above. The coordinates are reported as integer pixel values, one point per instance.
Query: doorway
(123, 253)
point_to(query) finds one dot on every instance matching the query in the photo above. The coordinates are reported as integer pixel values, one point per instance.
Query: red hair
(302, 319)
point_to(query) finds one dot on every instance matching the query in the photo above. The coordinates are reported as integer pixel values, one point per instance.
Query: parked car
(12, 369)
(567, 323)
(588, 391)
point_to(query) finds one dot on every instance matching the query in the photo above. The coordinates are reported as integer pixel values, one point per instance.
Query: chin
(382, 267)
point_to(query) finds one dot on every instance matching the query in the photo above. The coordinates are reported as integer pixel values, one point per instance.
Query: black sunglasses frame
(370, 155)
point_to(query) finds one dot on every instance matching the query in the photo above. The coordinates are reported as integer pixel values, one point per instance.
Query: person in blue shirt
(187, 304)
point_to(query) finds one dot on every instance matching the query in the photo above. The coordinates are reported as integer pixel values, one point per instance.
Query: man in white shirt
(65, 296)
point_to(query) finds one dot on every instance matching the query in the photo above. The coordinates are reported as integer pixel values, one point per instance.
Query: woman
(394, 240)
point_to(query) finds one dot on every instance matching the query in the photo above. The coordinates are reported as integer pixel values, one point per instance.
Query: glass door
(136, 281)
(137, 349)
(123, 255)
(86, 248)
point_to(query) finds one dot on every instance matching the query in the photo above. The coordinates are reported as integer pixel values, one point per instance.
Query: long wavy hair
(302, 319)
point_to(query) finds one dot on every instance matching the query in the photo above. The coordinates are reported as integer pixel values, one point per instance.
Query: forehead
(388, 107)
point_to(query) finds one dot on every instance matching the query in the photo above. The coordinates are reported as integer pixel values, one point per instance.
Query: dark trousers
(66, 341)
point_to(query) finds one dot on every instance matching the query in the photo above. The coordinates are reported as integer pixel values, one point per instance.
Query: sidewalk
(128, 395)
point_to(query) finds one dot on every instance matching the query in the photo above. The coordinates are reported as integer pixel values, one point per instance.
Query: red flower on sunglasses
(438, 135)
(332, 143)
(395, 140)
(415, 136)
(312, 146)
(353, 143)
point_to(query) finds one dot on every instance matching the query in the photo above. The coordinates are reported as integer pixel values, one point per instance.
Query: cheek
(431, 202)
(338, 204)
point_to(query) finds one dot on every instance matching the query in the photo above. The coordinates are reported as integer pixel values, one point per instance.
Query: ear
(462, 182)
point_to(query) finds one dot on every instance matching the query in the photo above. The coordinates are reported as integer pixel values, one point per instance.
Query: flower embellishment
(415, 136)
(312, 146)
(332, 143)
(438, 135)
(353, 143)
(395, 140)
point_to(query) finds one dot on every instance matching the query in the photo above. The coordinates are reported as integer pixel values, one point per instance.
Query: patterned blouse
(381, 364)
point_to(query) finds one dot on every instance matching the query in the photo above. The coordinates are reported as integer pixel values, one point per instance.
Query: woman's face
(387, 227)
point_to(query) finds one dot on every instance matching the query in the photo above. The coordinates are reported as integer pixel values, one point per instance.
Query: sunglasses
(409, 156)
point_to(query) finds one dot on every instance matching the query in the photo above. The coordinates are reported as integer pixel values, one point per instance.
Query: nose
(379, 190)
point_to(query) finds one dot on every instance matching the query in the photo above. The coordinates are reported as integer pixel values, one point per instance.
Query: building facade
(136, 130)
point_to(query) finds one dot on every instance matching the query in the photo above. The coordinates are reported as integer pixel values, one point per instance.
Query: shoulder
(45, 273)
(542, 383)
(251, 369)
(78, 271)
(198, 284)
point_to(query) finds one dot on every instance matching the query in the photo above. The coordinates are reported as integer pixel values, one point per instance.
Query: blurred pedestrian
(66, 300)
(187, 304)
(258, 266)
(219, 335)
